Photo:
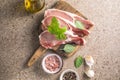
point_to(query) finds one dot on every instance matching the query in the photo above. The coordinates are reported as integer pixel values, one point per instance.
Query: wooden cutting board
(62, 5)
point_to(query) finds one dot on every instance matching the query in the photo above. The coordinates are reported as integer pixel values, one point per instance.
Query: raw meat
(48, 40)
(63, 22)
(56, 12)
(68, 16)
(65, 19)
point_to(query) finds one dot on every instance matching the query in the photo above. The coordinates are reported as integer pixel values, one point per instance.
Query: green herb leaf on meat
(78, 61)
(79, 25)
(54, 28)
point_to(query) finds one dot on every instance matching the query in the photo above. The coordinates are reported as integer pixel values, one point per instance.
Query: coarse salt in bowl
(52, 63)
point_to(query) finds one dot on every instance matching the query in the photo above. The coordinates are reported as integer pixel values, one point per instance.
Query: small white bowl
(48, 71)
(69, 70)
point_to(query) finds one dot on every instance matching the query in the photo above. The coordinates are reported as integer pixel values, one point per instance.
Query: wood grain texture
(40, 51)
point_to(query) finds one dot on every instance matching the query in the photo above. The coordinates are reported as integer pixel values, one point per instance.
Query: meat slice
(87, 24)
(77, 40)
(68, 16)
(47, 20)
(73, 33)
(56, 12)
(48, 40)
(79, 32)
(63, 22)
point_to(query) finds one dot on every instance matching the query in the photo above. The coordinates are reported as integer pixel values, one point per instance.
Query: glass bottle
(34, 5)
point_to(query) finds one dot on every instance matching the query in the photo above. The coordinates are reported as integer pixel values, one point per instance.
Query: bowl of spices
(69, 74)
(52, 63)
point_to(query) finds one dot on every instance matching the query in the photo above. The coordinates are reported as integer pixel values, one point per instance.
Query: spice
(69, 76)
(52, 63)
(89, 61)
(90, 73)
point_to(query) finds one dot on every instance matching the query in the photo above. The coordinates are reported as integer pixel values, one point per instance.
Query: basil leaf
(68, 48)
(54, 28)
(79, 25)
(78, 61)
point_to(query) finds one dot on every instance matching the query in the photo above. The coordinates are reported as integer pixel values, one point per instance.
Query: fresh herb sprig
(54, 28)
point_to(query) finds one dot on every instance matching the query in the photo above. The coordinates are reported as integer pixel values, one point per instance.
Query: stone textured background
(19, 39)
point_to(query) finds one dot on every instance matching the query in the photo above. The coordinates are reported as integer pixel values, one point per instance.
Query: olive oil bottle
(34, 5)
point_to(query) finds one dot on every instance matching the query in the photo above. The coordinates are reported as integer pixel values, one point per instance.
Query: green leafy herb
(78, 61)
(79, 25)
(68, 48)
(54, 28)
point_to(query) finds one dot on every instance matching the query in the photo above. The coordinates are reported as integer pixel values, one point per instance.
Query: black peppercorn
(69, 76)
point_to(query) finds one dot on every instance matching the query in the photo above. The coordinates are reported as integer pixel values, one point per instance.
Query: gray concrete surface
(19, 39)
